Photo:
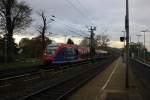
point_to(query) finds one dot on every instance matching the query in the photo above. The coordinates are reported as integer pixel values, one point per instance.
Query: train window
(68, 51)
(51, 52)
(74, 52)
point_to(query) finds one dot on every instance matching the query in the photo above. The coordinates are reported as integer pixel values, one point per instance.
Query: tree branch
(14, 19)
(4, 3)
(1, 14)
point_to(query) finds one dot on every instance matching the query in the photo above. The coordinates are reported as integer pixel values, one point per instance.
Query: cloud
(105, 14)
(117, 44)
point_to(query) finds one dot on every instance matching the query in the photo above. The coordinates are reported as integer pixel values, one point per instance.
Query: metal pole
(91, 41)
(124, 55)
(6, 48)
(65, 38)
(127, 42)
(138, 44)
(144, 46)
(144, 31)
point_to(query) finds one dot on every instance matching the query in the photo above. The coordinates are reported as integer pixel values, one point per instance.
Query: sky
(74, 17)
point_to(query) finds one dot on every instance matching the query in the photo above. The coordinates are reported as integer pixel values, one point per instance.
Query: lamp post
(5, 48)
(144, 31)
(138, 38)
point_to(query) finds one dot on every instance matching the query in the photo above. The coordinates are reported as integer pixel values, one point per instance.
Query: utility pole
(92, 42)
(144, 31)
(65, 36)
(127, 42)
(124, 55)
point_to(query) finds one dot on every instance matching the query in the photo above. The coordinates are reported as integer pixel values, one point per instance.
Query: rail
(62, 90)
(29, 75)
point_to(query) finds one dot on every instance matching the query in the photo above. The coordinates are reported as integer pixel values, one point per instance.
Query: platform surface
(109, 85)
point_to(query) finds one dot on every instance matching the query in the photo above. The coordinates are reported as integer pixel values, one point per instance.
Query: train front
(50, 53)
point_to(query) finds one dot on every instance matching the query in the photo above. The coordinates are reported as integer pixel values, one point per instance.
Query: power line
(78, 10)
(82, 6)
(74, 29)
(85, 9)
(71, 29)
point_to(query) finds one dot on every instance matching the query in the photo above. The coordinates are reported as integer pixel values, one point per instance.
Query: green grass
(20, 65)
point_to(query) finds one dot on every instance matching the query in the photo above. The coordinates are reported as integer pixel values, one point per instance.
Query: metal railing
(141, 72)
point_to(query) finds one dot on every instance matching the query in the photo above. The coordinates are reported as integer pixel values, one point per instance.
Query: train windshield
(51, 50)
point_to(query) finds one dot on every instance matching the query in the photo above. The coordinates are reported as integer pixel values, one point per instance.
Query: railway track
(10, 87)
(63, 89)
(33, 82)
(39, 71)
(29, 76)
(25, 74)
(7, 75)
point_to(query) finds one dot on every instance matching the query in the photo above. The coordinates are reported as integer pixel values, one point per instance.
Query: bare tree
(85, 42)
(42, 28)
(102, 41)
(14, 16)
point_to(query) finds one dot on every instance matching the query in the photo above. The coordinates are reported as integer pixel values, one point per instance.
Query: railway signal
(122, 39)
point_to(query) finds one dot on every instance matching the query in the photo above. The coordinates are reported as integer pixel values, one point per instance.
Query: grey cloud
(103, 13)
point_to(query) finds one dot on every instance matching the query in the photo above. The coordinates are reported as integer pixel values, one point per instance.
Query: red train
(63, 53)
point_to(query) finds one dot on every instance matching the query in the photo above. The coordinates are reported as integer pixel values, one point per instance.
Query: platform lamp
(144, 31)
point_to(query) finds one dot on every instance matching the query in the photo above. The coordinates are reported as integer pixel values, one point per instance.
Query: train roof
(61, 45)
(101, 51)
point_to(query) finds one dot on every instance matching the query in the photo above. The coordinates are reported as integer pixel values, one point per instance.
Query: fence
(141, 71)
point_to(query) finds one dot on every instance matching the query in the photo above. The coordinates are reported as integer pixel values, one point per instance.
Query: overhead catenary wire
(85, 9)
(72, 31)
(76, 29)
(70, 28)
(79, 11)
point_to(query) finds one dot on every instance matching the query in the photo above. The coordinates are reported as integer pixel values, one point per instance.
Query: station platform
(109, 85)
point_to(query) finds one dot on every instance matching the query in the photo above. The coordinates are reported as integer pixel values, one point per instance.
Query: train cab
(60, 53)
